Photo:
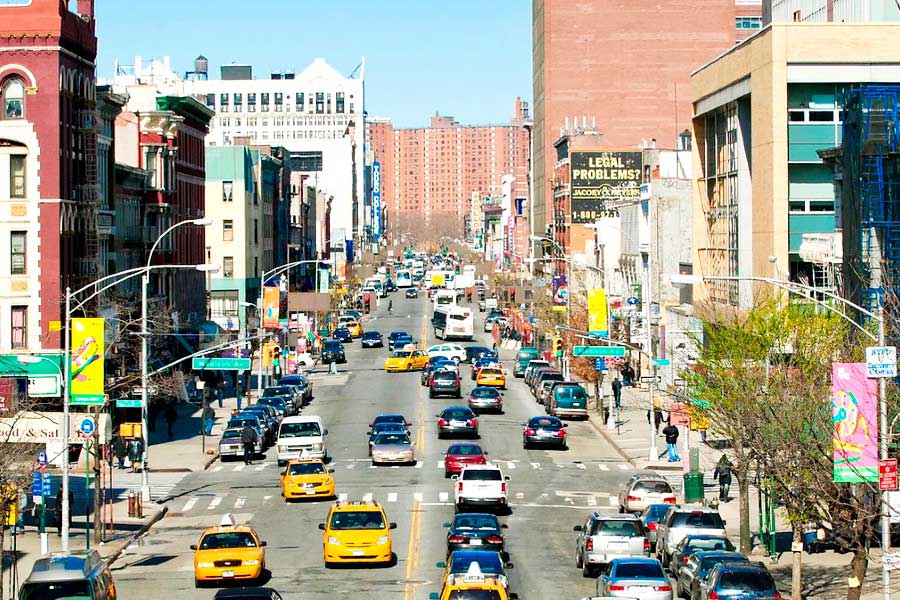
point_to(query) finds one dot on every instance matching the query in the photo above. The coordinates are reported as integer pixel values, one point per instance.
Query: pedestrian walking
(249, 438)
(58, 509)
(209, 417)
(171, 417)
(628, 376)
(671, 433)
(220, 390)
(239, 393)
(617, 392)
(723, 474)
(136, 453)
(657, 413)
(120, 450)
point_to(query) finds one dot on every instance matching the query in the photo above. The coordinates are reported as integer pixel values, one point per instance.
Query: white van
(298, 434)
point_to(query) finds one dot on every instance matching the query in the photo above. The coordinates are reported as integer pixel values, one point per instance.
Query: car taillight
(503, 487)
(651, 525)
(529, 431)
(457, 383)
(432, 383)
(561, 433)
(684, 559)
(647, 545)
(633, 499)
(616, 588)
(459, 487)
(589, 545)
(494, 539)
(663, 588)
(777, 595)
(442, 422)
(471, 422)
(712, 595)
(456, 539)
(669, 500)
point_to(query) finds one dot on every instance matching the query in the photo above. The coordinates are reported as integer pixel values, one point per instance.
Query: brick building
(432, 172)
(48, 165)
(631, 86)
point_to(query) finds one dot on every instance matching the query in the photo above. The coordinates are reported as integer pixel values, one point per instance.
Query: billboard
(598, 313)
(86, 370)
(598, 177)
(271, 306)
(560, 291)
(854, 406)
(376, 200)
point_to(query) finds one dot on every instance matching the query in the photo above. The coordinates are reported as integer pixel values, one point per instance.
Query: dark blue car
(689, 576)
(739, 581)
(469, 531)
(651, 517)
(342, 334)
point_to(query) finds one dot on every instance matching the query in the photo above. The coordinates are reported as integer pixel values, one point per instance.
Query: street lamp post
(145, 283)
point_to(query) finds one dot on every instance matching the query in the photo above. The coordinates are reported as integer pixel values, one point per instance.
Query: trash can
(693, 487)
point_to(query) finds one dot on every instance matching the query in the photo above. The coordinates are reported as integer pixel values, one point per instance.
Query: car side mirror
(447, 524)
(193, 546)
(454, 477)
(331, 470)
(565, 425)
(322, 526)
(506, 477)
(434, 596)
(577, 528)
(393, 526)
(509, 565)
(263, 544)
(326, 432)
(441, 565)
(369, 432)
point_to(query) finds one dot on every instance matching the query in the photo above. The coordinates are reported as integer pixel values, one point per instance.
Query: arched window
(13, 96)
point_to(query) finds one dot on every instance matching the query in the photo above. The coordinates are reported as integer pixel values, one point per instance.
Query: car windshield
(473, 522)
(276, 391)
(230, 539)
(656, 512)
(388, 426)
(313, 468)
(332, 345)
(231, 433)
(570, 393)
(242, 422)
(445, 375)
(708, 520)
(392, 438)
(389, 419)
(621, 528)
(465, 450)
(57, 590)
(401, 354)
(642, 570)
(482, 475)
(545, 423)
(490, 372)
(272, 401)
(371, 335)
(396, 334)
(653, 487)
(362, 519)
(695, 545)
(485, 392)
(747, 581)
(525, 354)
(310, 429)
(488, 562)
(457, 415)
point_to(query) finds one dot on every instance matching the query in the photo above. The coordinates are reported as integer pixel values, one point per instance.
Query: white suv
(481, 486)
(301, 436)
(452, 351)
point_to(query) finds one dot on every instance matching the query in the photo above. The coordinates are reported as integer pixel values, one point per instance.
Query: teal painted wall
(808, 223)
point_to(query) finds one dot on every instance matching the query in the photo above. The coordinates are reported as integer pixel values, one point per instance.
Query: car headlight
(317, 447)
(282, 448)
(205, 565)
(333, 540)
(252, 562)
(382, 540)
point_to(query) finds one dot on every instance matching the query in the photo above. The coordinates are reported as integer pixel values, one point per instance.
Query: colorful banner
(86, 374)
(271, 306)
(560, 291)
(376, 200)
(854, 405)
(598, 313)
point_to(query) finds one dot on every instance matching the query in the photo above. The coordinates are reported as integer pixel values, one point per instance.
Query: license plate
(458, 423)
(475, 542)
(227, 573)
(618, 545)
(545, 433)
(310, 492)
(357, 553)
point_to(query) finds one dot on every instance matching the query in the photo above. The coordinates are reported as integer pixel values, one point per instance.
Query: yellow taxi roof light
(228, 520)
(474, 574)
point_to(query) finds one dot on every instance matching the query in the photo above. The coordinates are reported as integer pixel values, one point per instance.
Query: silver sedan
(394, 448)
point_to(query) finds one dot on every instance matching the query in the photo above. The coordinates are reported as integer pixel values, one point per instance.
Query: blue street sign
(46, 484)
(87, 426)
(632, 300)
(600, 364)
(42, 458)
(37, 484)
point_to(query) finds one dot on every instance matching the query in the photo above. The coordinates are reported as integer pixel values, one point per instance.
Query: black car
(457, 420)
(333, 352)
(412, 292)
(247, 593)
(475, 531)
(390, 286)
(393, 336)
(544, 431)
(389, 418)
(372, 339)
(342, 334)
(473, 353)
(484, 398)
(444, 383)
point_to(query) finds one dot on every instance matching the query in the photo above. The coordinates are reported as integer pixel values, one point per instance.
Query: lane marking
(613, 501)
(519, 495)
(239, 503)
(351, 466)
(342, 497)
(420, 464)
(189, 504)
(367, 497)
(443, 496)
(215, 502)
(603, 467)
(217, 469)
(418, 496)
(392, 497)
(412, 552)
(623, 467)
(239, 467)
(591, 501)
(510, 465)
(580, 466)
(266, 498)
(260, 467)
(535, 465)
(440, 464)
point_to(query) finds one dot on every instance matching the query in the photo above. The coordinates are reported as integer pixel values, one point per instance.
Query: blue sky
(466, 58)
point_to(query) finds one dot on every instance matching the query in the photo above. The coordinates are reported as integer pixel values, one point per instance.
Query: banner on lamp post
(271, 306)
(854, 405)
(598, 313)
(560, 291)
(86, 370)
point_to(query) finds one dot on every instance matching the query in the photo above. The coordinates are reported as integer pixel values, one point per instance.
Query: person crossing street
(249, 438)
(671, 433)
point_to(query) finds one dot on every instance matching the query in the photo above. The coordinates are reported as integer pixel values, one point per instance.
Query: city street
(550, 491)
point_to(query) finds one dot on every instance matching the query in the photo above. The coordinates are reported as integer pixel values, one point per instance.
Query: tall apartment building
(830, 11)
(48, 166)
(633, 87)
(429, 174)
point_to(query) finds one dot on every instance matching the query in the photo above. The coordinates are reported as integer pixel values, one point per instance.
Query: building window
(18, 321)
(299, 101)
(13, 93)
(227, 191)
(748, 22)
(17, 176)
(339, 103)
(320, 103)
(211, 100)
(264, 97)
(17, 247)
(228, 266)
(227, 230)
(238, 99)
(256, 231)
(797, 16)
(223, 99)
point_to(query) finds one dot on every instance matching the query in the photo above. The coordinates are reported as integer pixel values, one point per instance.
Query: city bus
(453, 322)
(444, 298)
(404, 279)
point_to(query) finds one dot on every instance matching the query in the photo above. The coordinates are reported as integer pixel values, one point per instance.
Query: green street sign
(221, 364)
(87, 400)
(662, 362)
(594, 351)
(128, 403)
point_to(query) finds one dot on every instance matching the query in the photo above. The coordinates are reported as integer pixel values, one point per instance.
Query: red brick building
(48, 165)
(429, 174)
(623, 66)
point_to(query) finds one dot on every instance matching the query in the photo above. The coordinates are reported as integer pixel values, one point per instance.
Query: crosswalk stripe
(189, 504)
(239, 503)
(367, 497)
(591, 501)
(214, 502)
(239, 467)
(613, 500)
(342, 497)
(392, 497)
(580, 466)
(510, 465)
(217, 469)
(440, 464)
(623, 467)
(443, 496)
(535, 465)
(419, 464)
(260, 467)
(603, 467)
(418, 496)
(351, 466)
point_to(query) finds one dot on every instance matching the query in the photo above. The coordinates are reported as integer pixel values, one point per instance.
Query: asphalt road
(550, 491)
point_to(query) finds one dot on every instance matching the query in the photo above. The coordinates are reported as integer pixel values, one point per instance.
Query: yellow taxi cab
(491, 376)
(406, 359)
(307, 478)
(355, 328)
(356, 532)
(228, 552)
(474, 584)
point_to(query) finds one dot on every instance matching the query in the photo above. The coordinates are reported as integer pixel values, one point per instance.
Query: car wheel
(409, 366)
(431, 394)
(199, 584)
(586, 569)
(525, 445)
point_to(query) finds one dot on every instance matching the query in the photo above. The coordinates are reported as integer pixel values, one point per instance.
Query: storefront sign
(43, 428)
(598, 177)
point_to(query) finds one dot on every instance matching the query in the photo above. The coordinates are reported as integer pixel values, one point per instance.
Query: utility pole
(651, 369)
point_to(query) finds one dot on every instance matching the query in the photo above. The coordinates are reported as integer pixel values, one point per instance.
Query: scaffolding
(871, 165)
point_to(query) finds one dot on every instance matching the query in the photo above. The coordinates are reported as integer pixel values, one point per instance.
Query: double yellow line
(412, 552)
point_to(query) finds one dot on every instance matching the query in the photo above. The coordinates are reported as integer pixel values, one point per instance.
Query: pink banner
(854, 405)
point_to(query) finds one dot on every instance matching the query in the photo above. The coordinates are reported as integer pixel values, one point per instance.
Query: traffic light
(558, 346)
